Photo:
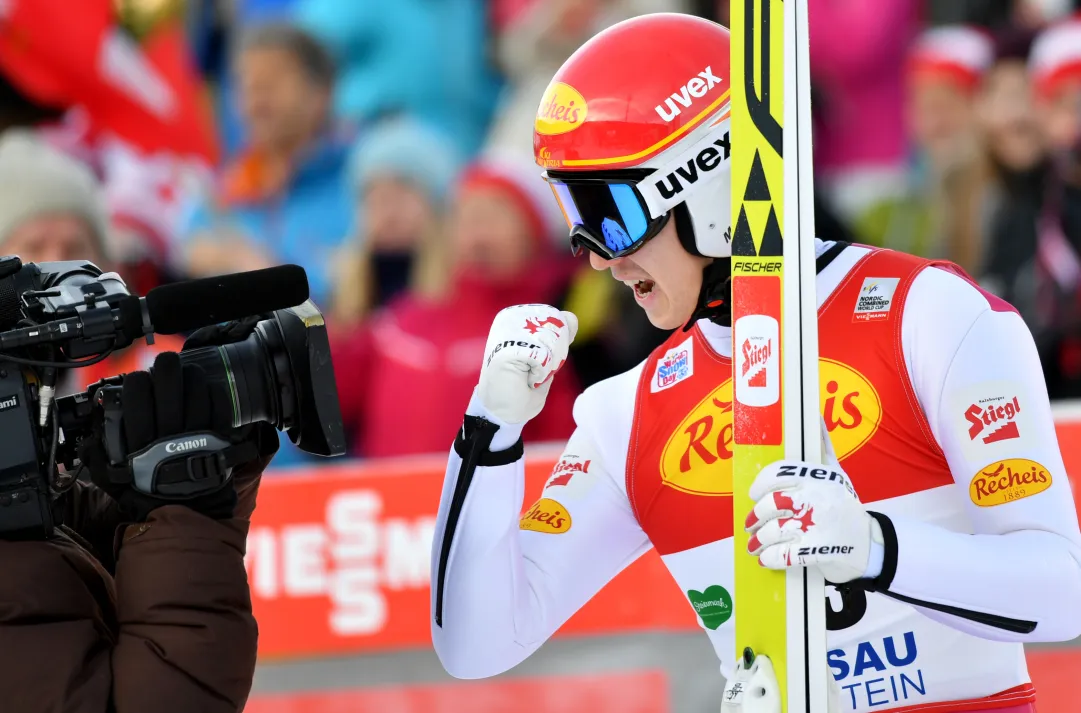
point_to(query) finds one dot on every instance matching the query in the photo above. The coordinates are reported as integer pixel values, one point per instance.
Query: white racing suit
(934, 399)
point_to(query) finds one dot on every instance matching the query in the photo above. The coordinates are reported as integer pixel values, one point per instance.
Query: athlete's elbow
(466, 658)
(1062, 620)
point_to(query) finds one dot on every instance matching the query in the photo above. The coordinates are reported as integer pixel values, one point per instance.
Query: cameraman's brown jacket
(144, 618)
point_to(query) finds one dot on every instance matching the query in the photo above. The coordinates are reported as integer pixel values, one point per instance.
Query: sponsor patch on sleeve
(875, 299)
(547, 516)
(676, 365)
(991, 420)
(571, 478)
(1008, 480)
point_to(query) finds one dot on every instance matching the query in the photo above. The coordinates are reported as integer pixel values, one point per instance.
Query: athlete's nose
(599, 263)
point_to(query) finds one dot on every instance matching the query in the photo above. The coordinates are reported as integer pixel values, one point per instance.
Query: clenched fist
(526, 347)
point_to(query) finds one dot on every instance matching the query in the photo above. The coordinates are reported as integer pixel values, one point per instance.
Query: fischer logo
(697, 88)
(353, 557)
(707, 160)
(182, 446)
(676, 365)
(1001, 416)
(9, 402)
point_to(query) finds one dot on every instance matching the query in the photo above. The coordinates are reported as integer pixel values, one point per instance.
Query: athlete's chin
(662, 316)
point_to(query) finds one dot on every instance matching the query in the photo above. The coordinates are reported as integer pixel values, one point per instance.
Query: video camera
(62, 315)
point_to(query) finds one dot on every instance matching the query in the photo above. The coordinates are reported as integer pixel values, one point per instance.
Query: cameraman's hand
(526, 346)
(169, 400)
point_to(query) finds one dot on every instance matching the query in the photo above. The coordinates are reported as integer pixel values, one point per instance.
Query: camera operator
(51, 208)
(137, 604)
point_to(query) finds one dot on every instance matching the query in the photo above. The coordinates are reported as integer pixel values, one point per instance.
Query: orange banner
(338, 559)
(631, 692)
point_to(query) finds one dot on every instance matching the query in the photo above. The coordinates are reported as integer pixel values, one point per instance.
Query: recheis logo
(696, 88)
(850, 406)
(674, 366)
(1008, 480)
(713, 606)
(546, 516)
(876, 295)
(562, 109)
(698, 455)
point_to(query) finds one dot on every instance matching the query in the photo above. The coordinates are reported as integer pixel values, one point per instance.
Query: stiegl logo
(189, 445)
(9, 402)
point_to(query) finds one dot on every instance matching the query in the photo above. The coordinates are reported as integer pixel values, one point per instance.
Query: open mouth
(643, 288)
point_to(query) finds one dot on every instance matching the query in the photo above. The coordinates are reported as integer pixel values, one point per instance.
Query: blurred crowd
(387, 149)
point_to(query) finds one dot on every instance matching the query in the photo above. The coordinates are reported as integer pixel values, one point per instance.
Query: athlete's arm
(1018, 577)
(498, 591)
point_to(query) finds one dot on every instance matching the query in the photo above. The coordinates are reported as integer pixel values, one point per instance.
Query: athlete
(944, 523)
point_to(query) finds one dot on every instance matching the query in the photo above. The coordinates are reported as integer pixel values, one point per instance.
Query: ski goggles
(607, 216)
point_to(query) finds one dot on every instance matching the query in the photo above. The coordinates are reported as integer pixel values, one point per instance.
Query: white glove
(808, 514)
(526, 347)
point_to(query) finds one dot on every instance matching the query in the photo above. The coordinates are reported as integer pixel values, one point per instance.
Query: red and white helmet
(633, 131)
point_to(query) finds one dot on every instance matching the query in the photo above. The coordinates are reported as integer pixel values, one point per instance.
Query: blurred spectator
(284, 200)
(1035, 240)
(51, 209)
(938, 216)
(417, 57)
(533, 39)
(404, 379)
(1016, 157)
(400, 174)
(857, 57)
(1056, 72)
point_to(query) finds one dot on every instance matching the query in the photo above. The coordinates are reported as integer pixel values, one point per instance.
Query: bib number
(844, 607)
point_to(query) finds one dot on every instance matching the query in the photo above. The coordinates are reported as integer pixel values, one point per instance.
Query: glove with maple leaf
(526, 346)
(808, 514)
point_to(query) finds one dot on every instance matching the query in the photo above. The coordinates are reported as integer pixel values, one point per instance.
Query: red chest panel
(679, 463)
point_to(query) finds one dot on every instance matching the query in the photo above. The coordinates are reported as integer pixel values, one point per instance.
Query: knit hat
(522, 182)
(1056, 55)
(406, 149)
(36, 180)
(956, 52)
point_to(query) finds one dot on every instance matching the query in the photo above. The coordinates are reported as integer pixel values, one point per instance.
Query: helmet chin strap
(714, 299)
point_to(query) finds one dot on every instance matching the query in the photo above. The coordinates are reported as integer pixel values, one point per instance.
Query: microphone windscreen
(184, 306)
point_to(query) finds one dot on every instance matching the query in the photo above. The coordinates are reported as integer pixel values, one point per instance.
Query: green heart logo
(713, 606)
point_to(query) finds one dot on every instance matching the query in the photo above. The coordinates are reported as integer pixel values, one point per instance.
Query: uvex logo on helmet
(562, 109)
(707, 159)
(697, 88)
